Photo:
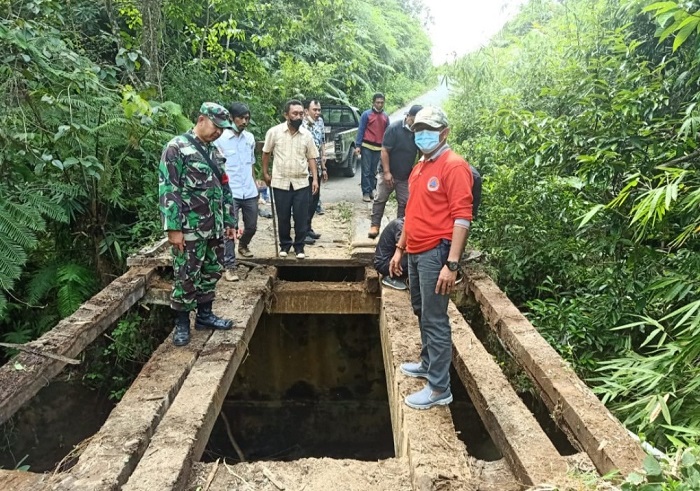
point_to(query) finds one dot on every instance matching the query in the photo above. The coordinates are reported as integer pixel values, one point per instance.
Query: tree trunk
(151, 16)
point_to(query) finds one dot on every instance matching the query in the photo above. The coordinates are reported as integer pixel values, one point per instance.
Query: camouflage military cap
(431, 116)
(218, 114)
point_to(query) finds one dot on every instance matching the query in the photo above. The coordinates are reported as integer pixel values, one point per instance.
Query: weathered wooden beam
(531, 455)
(573, 405)
(157, 252)
(437, 459)
(112, 454)
(183, 433)
(372, 280)
(158, 291)
(310, 297)
(164, 259)
(24, 375)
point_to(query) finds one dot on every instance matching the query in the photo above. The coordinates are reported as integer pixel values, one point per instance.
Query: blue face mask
(427, 140)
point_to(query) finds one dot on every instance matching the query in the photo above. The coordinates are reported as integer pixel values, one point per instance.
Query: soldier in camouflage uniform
(197, 208)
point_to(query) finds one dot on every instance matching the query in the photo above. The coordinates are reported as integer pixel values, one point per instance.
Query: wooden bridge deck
(154, 438)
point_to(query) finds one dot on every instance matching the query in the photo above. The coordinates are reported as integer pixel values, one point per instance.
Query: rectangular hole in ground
(321, 273)
(310, 386)
(470, 429)
(45, 430)
(75, 405)
(519, 380)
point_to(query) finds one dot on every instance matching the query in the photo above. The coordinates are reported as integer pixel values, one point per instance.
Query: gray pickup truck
(341, 129)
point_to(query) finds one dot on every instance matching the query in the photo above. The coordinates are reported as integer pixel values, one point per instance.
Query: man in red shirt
(438, 217)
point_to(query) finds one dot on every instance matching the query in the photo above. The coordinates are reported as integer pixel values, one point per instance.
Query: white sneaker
(300, 255)
(283, 253)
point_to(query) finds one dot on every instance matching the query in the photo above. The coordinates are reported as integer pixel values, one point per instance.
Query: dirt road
(339, 188)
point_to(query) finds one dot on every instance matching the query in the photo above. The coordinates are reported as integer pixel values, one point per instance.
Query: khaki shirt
(290, 156)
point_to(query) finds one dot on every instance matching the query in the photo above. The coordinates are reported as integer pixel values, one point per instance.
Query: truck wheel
(351, 168)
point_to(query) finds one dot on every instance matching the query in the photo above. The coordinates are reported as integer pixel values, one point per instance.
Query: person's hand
(240, 232)
(230, 233)
(446, 281)
(395, 268)
(268, 178)
(314, 186)
(389, 179)
(357, 151)
(177, 239)
(324, 175)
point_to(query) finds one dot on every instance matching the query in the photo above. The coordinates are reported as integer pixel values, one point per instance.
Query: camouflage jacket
(191, 198)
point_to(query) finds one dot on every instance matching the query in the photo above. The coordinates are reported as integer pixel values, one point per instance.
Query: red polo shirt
(440, 192)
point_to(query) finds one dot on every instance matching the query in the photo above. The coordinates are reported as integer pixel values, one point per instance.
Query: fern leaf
(41, 283)
(75, 273)
(76, 284)
(46, 207)
(3, 303)
(12, 258)
(69, 299)
(26, 215)
(14, 231)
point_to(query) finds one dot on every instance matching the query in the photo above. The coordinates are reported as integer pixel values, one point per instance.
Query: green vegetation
(90, 91)
(583, 118)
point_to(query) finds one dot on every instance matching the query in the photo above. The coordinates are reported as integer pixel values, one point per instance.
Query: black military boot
(181, 334)
(206, 319)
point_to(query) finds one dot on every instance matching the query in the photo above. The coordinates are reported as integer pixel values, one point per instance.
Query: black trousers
(313, 202)
(287, 202)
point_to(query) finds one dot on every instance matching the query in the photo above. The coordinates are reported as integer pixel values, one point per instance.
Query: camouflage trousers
(196, 271)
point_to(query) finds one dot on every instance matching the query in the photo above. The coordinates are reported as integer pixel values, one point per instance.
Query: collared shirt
(239, 151)
(318, 133)
(290, 156)
(440, 193)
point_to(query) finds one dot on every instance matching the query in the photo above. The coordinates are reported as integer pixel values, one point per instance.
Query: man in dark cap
(197, 207)
(398, 155)
(238, 148)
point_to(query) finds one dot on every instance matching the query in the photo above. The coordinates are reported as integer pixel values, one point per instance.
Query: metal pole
(274, 220)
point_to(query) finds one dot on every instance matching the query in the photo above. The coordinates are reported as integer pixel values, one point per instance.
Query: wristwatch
(452, 265)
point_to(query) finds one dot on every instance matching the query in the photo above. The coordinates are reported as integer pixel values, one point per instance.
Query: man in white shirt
(238, 147)
(294, 154)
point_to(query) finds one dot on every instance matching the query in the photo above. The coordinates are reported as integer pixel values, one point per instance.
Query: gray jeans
(384, 190)
(431, 309)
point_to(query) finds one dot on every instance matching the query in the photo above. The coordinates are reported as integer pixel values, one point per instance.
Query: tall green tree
(581, 115)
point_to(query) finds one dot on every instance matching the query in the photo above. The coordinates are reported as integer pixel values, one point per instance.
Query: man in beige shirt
(294, 154)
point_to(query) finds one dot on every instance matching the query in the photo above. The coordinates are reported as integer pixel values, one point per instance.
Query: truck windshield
(338, 116)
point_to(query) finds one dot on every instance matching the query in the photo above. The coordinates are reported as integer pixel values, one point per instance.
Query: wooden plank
(527, 449)
(312, 297)
(24, 375)
(182, 435)
(20, 481)
(112, 454)
(437, 459)
(159, 261)
(165, 260)
(575, 408)
(372, 280)
(159, 251)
